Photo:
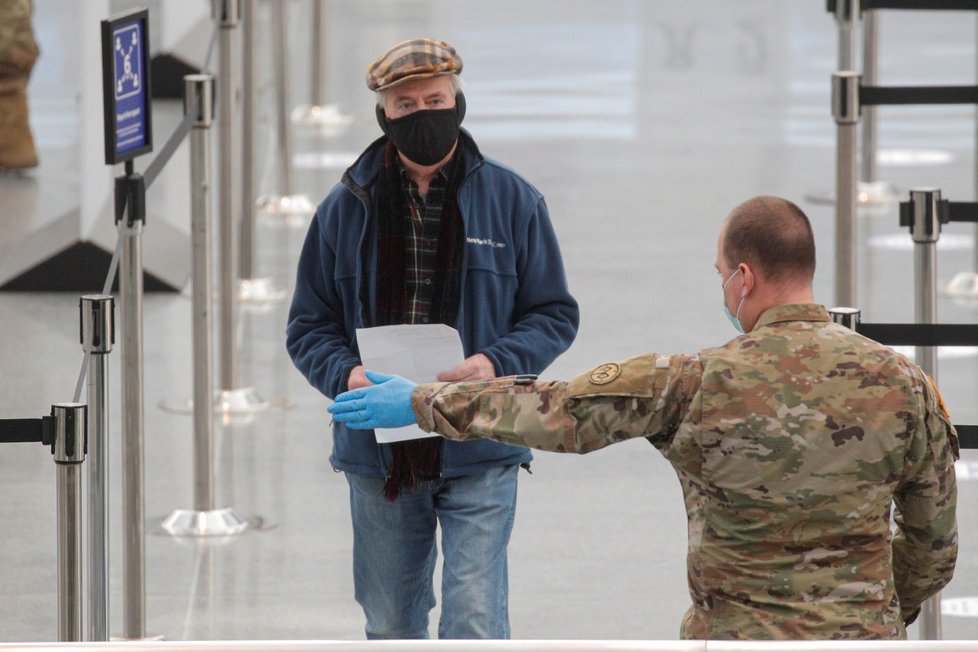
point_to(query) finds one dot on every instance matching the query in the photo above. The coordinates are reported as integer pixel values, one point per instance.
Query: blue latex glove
(385, 404)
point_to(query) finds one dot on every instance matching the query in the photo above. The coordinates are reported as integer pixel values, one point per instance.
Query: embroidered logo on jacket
(486, 242)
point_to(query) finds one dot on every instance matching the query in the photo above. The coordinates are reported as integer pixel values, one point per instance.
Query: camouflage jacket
(791, 443)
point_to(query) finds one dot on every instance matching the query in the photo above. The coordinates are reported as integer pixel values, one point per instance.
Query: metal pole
(98, 335)
(253, 289)
(320, 29)
(249, 139)
(233, 398)
(845, 109)
(868, 126)
(283, 77)
(846, 15)
(848, 317)
(133, 538)
(227, 13)
(926, 229)
(198, 99)
(203, 519)
(327, 118)
(70, 423)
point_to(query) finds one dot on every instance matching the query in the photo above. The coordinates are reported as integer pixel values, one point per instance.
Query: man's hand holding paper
(420, 353)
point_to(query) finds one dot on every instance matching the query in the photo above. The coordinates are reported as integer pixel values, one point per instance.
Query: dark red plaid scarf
(417, 459)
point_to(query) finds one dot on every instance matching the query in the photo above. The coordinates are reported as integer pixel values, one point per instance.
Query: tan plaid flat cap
(420, 57)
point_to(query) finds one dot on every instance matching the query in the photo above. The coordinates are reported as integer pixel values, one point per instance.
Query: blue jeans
(394, 554)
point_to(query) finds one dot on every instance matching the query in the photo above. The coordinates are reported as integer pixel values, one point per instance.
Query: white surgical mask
(734, 319)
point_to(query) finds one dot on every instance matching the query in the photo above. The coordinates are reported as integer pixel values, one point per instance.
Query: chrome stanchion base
(326, 118)
(244, 400)
(259, 292)
(213, 523)
(234, 402)
(963, 285)
(872, 196)
(289, 210)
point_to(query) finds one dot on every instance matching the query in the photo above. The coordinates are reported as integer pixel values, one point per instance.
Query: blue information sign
(126, 90)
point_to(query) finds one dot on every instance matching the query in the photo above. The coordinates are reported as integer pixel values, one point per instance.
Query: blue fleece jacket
(515, 307)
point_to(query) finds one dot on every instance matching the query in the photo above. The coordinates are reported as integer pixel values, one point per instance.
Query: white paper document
(418, 352)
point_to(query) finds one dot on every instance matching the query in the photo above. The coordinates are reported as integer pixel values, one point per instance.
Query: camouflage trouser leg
(18, 52)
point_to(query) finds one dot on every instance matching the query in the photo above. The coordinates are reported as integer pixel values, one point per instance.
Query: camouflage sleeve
(926, 543)
(644, 396)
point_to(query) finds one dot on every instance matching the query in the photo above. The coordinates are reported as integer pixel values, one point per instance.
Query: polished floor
(643, 122)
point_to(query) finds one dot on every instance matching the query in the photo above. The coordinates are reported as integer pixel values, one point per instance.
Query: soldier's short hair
(773, 236)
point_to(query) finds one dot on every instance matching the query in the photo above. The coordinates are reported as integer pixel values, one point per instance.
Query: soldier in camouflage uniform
(792, 443)
(18, 52)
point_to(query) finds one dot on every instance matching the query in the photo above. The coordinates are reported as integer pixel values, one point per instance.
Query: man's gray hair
(456, 89)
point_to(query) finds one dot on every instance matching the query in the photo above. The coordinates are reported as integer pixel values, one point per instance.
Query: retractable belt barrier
(947, 5)
(849, 96)
(892, 95)
(854, 100)
(947, 211)
(923, 215)
(14, 431)
(65, 430)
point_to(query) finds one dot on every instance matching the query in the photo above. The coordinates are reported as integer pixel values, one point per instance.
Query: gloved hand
(385, 404)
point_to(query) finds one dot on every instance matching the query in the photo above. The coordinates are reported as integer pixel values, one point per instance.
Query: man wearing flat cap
(424, 229)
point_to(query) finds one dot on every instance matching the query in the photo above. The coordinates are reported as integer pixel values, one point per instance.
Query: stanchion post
(203, 519)
(295, 209)
(846, 15)
(97, 336)
(227, 12)
(283, 80)
(845, 110)
(848, 317)
(253, 290)
(868, 120)
(925, 228)
(319, 34)
(233, 399)
(326, 117)
(249, 136)
(131, 191)
(198, 99)
(70, 425)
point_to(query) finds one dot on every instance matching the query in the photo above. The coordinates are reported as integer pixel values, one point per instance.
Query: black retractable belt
(882, 95)
(17, 431)
(945, 5)
(948, 211)
(967, 436)
(921, 334)
(962, 211)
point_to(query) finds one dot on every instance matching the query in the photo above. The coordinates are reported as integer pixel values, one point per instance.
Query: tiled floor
(643, 122)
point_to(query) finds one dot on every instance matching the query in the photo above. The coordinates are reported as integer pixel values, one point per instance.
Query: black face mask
(426, 136)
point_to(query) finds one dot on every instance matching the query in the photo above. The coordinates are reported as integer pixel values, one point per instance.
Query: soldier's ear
(748, 275)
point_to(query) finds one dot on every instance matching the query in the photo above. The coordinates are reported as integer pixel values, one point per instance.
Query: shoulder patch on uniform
(605, 374)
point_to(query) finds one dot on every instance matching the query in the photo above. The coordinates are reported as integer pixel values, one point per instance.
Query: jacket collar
(793, 312)
(365, 170)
